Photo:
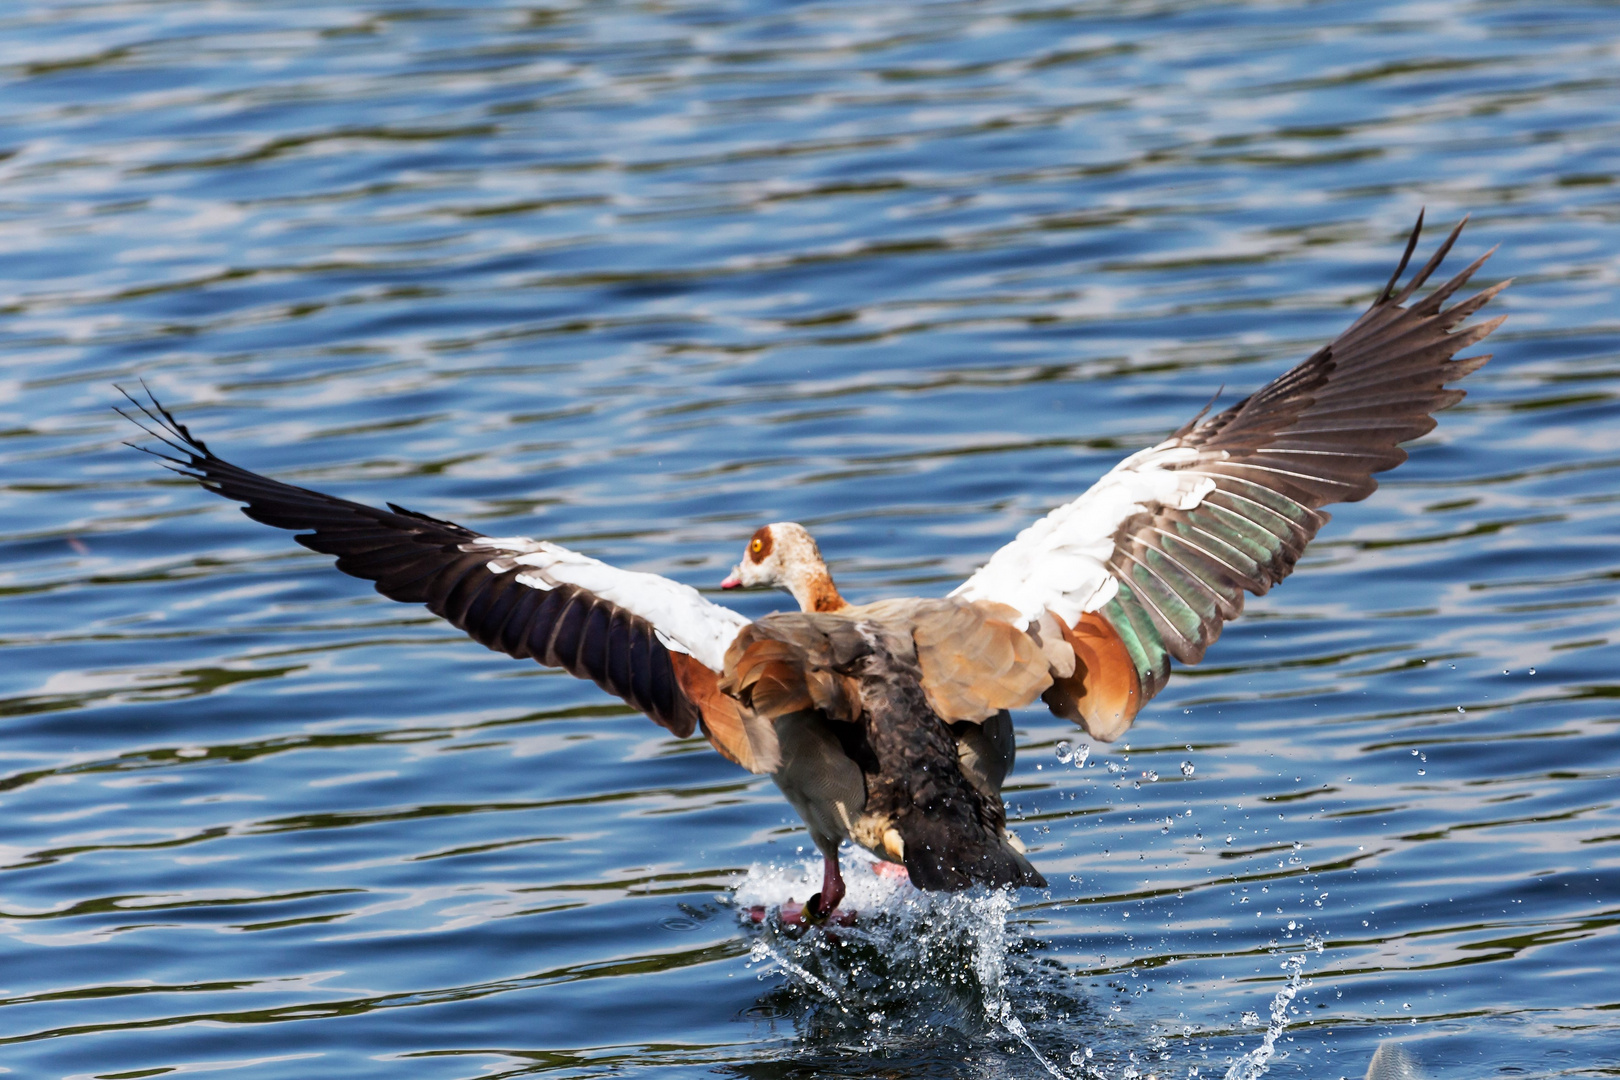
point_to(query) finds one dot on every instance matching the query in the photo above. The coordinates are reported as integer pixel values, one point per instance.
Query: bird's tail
(941, 856)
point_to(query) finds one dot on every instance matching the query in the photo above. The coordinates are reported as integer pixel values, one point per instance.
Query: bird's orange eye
(756, 546)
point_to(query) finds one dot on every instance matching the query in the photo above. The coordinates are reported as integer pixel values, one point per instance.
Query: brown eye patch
(760, 546)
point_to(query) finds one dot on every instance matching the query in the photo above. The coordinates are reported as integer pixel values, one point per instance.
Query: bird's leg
(826, 901)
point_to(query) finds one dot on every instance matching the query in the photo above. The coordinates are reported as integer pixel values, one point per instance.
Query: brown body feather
(905, 687)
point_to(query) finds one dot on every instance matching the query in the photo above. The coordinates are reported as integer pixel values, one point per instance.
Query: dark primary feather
(1313, 436)
(420, 559)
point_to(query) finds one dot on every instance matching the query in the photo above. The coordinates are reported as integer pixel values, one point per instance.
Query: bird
(888, 724)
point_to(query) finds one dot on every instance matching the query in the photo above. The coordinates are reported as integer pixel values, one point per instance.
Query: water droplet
(1532, 671)
(1065, 751)
(1187, 769)
(1462, 710)
(1292, 925)
(1150, 776)
(1228, 839)
(1251, 1018)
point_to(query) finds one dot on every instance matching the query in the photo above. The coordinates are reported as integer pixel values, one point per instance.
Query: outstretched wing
(655, 643)
(1149, 563)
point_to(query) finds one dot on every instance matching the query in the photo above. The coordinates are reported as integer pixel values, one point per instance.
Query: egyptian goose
(887, 723)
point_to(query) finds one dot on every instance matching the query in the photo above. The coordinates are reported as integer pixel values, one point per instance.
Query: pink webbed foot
(822, 907)
(892, 870)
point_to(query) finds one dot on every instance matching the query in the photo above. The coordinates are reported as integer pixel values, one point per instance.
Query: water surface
(640, 277)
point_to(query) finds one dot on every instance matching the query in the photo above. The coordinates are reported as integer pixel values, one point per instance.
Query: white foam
(770, 885)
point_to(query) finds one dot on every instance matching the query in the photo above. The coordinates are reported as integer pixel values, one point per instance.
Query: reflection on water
(641, 277)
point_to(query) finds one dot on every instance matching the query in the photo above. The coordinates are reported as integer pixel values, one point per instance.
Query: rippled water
(641, 277)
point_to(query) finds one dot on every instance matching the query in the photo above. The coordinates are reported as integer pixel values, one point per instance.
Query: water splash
(762, 951)
(911, 961)
(990, 963)
(1069, 754)
(868, 889)
(1252, 1066)
(1015, 1027)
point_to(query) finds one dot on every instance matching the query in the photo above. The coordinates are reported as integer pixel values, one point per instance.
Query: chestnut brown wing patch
(740, 734)
(1104, 694)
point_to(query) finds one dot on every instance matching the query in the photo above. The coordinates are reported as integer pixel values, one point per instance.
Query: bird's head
(785, 556)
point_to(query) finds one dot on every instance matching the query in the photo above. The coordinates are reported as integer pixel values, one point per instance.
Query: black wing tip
(1406, 258)
(405, 511)
(170, 431)
(1389, 295)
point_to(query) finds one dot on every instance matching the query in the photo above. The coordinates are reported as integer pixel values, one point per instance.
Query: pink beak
(733, 581)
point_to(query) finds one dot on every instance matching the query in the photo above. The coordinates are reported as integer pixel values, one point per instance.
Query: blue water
(641, 277)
